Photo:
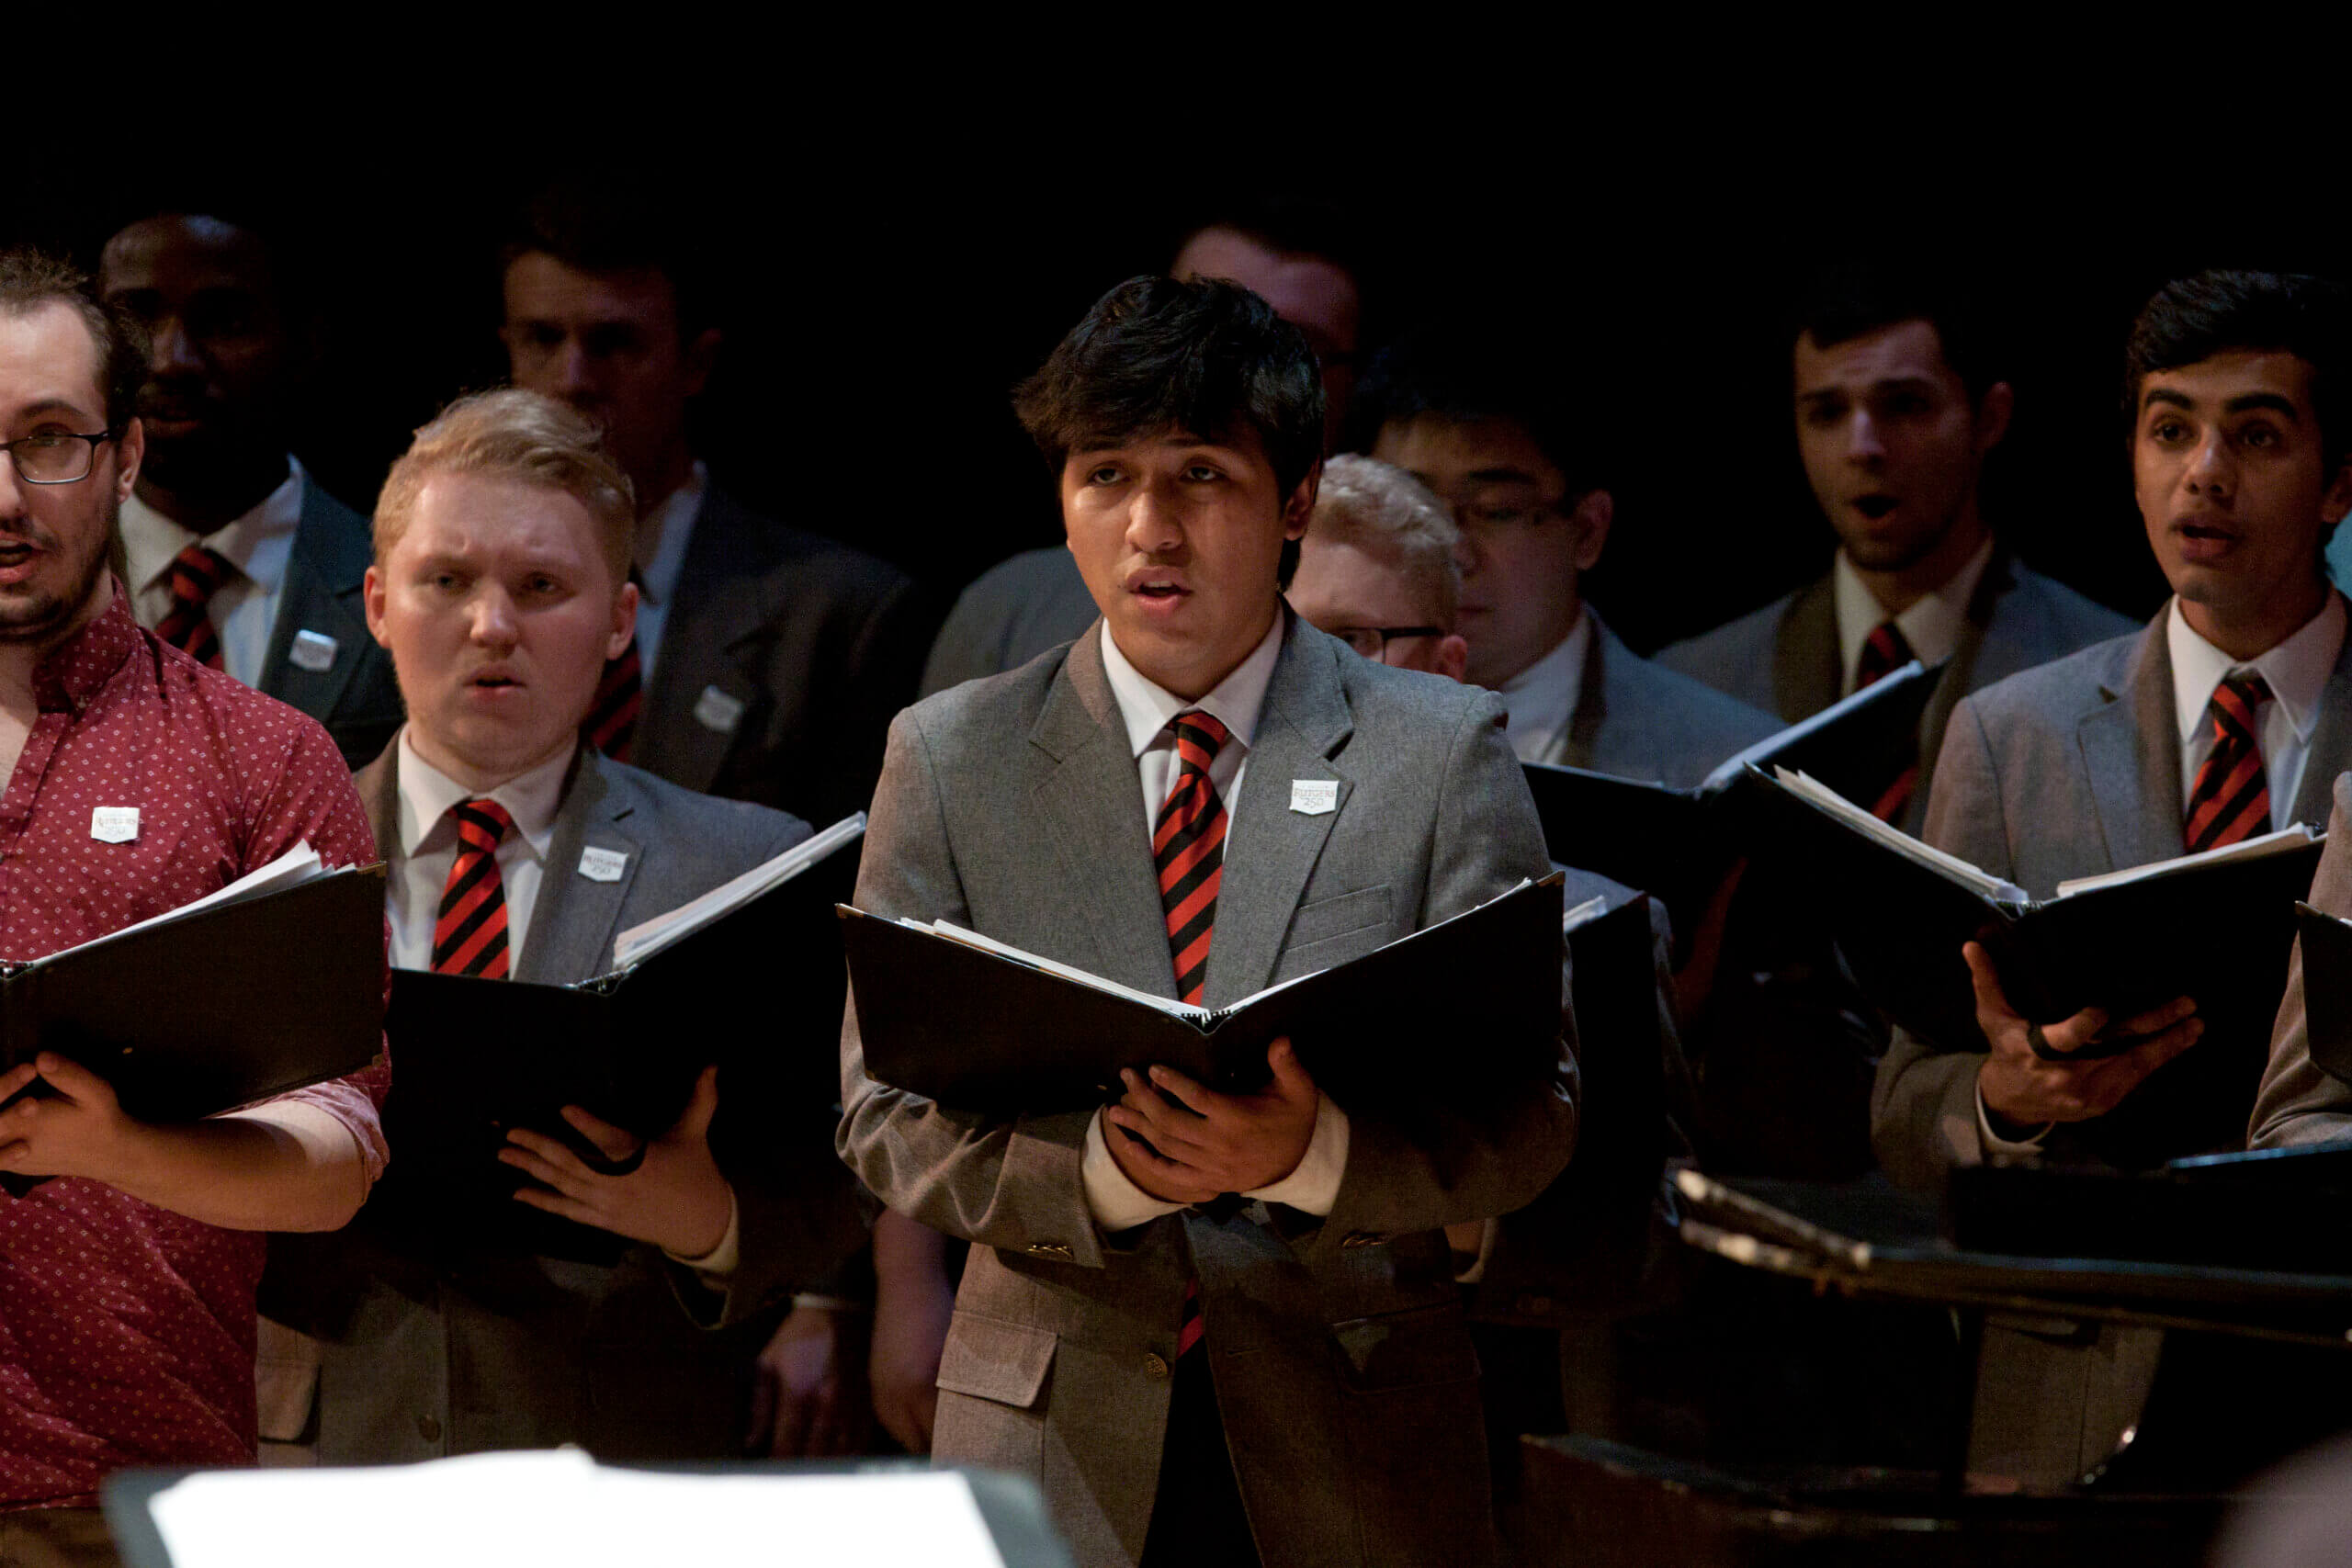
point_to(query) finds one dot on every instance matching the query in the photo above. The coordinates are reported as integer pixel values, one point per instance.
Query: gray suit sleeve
(1007, 1184)
(1502, 1157)
(2298, 1103)
(1922, 1100)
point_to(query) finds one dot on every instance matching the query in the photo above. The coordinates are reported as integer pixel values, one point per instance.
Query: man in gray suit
(1505, 448)
(1318, 1402)
(232, 551)
(768, 658)
(516, 849)
(2229, 715)
(1897, 411)
(1291, 252)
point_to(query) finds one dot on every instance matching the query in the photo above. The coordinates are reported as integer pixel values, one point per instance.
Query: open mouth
(1874, 506)
(495, 682)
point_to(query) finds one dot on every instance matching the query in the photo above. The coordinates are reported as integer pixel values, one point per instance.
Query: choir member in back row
(128, 1292)
(517, 852)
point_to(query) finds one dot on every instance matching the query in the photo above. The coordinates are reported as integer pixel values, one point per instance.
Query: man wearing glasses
(1376, 568)
(129, 1287)
(1896, 413)
(1500, 449)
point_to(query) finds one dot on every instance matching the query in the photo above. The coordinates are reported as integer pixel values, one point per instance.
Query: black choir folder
(2216, 926)
(1450, 1012)
(1671, 842)
(474, 1058)
(272, 983)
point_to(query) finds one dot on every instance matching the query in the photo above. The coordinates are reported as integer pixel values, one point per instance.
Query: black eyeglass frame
(1386, 636)
(90, 451)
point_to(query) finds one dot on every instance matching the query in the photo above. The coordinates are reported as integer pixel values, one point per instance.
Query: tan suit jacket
(1342, 1363)
(2297, 1102)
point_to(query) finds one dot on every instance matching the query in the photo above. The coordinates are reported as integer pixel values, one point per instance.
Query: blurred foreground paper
(557, 1506)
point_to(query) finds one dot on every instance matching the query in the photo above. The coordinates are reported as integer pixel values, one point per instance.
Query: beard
(45, 609)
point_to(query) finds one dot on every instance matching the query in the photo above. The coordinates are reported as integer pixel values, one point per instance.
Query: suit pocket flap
(1337, 916)
(989, 1358)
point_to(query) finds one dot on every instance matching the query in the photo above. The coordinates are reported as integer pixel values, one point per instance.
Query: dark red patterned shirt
(126, 1331)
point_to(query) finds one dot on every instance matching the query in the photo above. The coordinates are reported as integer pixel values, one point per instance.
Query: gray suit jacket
(782, 660)
(2068, 771)
(355, 696)
(1342, 1363)
(2298, 1103)
(1640, 720)
(1784, 658)
(1011, 613)
(425, 1355)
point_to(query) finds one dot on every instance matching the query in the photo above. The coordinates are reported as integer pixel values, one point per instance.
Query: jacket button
(1155, 1367)
(429, 1428)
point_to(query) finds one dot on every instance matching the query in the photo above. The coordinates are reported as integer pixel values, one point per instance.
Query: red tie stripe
(1188, 845)
(2231, 797)
(195, 575)
(469, 936)
(1190, 1327)
(611, 726)
(1884, 651)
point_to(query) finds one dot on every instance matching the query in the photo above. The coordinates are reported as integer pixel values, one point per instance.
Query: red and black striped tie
(1884, 651)
(196, 574)
(469, 936)
(611, 726)
(1188, 843)
(2231, 797)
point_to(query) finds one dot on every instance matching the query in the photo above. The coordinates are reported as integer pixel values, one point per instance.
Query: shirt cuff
(1116, 1203)
(721, 1261)
(1998, 1147)
(1314, 1187)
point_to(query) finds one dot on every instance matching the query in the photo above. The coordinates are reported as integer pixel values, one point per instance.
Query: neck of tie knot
(1199, 737)
(481, 823)
(1885, 650)
(2237, 702)
(2231, 798)
(198, 572)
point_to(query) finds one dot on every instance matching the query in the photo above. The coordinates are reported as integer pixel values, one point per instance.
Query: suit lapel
(1271, 850)
(2130, 751)
(1573, 747)
(379, 787)
(323, 576)
(711, 607)
(1090, 809)
(575, 918)
(1807, 670)
(2330, 748)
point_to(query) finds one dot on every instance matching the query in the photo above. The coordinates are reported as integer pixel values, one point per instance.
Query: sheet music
(295, 867)
(496, 1510)
(2291, 838)
(647, 938)
(1971, 878)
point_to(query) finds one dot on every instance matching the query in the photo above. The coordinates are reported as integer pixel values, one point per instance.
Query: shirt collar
(73, 673)
(257, 544)
(1541, 699)
(1235, 701)
(426, 793)
(1931, 626)
(2297, 670)
(671, 524)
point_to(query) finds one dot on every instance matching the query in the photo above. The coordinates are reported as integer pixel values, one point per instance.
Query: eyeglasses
(55, 458)
(1372, 641)
(1507, 509)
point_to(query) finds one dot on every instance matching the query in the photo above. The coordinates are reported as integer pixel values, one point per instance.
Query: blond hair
(513, 434)
(1385, 512)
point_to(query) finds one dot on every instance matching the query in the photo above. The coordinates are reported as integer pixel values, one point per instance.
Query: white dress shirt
(1931, 626)
(2297, 671)
(428, 843)
(1542, 698)
(1116, 1202)
(669, 527)
(258, 545)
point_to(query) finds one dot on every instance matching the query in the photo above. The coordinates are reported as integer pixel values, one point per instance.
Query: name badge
(602, 865)
(114, 824)
(715, 710)
(1312, 797)
(313, 650)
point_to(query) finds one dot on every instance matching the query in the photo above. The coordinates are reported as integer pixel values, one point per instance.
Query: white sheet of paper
(644, 940)
(498, 1509)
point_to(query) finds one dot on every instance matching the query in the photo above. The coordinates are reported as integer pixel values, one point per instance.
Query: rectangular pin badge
(114, 824)
(1312, 797)
(314, 651)
(602, 865)
(716, 710)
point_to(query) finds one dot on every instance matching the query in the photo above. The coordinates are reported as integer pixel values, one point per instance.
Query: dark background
(877, 309)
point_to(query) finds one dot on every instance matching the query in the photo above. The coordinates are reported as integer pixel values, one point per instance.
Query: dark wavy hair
(2193, 319)
(1204, 358)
